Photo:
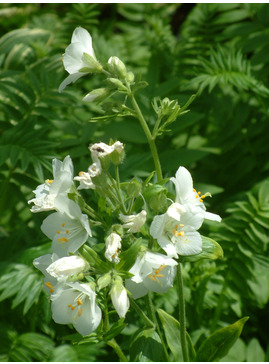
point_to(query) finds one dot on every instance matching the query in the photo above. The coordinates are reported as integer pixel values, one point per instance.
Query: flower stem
(151, 140)
(182, 317)
(117, 350)
(154, 319)
(141, 313)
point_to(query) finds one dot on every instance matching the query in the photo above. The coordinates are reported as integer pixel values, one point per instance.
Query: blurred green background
(217, 51)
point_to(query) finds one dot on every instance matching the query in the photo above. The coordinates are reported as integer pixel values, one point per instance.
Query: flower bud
(115, 83)
(134, 188)
(119, 297)
(117, 67)
(104, 280)
(113, 244)
(130, 77)
(98, 95)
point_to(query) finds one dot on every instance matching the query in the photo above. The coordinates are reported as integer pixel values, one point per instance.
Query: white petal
(65, 266)
(136, 289)
(162, 284)
(157, 226)
(61, 313)
(70, 79)
(90, 318)
(120, 301)
(189, 244)
(211, 216)
(81, 35)
(89, 97)
(183, 183)
(73, 58)
(43, 262)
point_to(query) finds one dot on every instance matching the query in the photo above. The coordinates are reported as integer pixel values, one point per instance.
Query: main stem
(154, 319)
(151, 140)
(182, 316)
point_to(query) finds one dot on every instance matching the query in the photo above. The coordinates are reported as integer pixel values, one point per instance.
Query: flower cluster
(78, 275)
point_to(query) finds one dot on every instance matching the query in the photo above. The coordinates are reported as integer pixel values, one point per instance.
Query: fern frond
(227, 67)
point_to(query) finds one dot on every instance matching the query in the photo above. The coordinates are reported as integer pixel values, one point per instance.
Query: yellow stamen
(81, 174)
(63, 224)
(152, 278)
(194, 190)
(49, 180)
(48, 284)
(201, 200)
(181, 225)
(51, 290)
(79, 302)
(58, 231)
(67, 231)
(80, 312)
(203, 196)
(63, 240)
(199, 193)
(72, 308)
(197, 196)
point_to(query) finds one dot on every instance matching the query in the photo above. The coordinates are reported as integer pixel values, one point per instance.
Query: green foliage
(217, 51)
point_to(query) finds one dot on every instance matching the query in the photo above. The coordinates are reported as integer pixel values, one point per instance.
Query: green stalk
(182, 316)
(147, 132)
(154, 319)
(112, 343)
(117, 175)
(141, 313)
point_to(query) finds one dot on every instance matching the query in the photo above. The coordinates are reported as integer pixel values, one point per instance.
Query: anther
(63, 224)
(64, 240)
(80, 312)
(67, 231)
(58, 231)
(79, 302)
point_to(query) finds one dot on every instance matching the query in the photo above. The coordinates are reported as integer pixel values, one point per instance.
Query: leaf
(128, 257)
(172, 333)
(211, 250)
(115, 329)
(146, 346)
(220, 342)
(255, 351)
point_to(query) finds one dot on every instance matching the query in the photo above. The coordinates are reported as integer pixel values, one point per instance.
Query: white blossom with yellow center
(59, 185)
(152, 272)
(175, 231)
(75, 303)
(187, 196)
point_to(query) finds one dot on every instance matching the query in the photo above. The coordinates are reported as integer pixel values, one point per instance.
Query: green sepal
(115, 330)
(211, 250)
(104, 281)
(85, 70)
(172, 333)
(220, 342)
(128, 257)
(139, 85)
(94, 65)
(92, 257)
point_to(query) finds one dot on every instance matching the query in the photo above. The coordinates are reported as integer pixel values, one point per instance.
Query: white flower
(61, 184)
(75, 303)
(85, 181)
(113, 244)
(176, 232)
(134, 222)
(101, 150)
(152, 272)
(66, 266)
(119, 297)
(79, 55)
(85, 178)
(68, 228)
(187, 195)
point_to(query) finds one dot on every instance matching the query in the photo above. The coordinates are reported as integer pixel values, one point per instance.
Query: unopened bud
(115, 83)
(104, 281)
(130, 77)
(117, 67)
(98, 95)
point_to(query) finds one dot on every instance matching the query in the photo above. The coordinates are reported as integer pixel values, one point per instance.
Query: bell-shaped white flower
(68, 228)
(187, 195)
(113, 244)
(60, 185)
(75, 303)
(119, 297)
(79, 58)
(175, 231)
(133, 222)
(151, 272)
(66, 266)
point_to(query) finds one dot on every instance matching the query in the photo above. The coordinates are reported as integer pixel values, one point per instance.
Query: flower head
(175, 231)
(68, 228)
(113, 244)
(79, 58)
(60, 185)
(186, 195)
(151, 272)
(75, 303)
(134, 222)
